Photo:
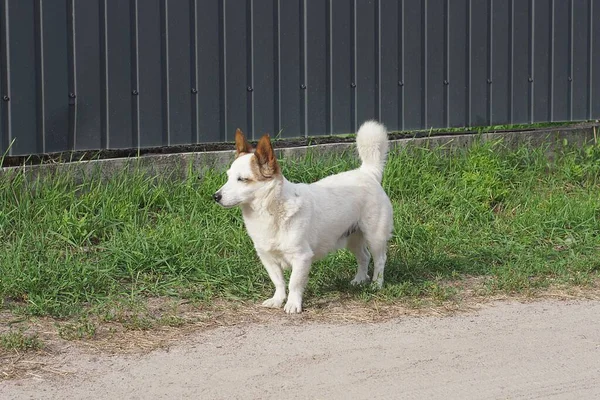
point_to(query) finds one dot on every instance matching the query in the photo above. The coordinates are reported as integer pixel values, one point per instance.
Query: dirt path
(546, 349)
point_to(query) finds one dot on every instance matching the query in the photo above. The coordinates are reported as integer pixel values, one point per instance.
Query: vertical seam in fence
(223, 71)
(104, 90)
(195, 92)
(5, 53)
(490, 60)
(277, 17)
(469, 62)
(531, 59)
(447, 64)
(590, 57)
(401, 65)
(378, 59)
(571, 77)
(551, 102)
(164, 21)
(353, 70)
(250, 65)
(39, 75)
(72, 55)
(425, 64)
(330, 67)
(135, 74)
(511, 73)
(304, 70)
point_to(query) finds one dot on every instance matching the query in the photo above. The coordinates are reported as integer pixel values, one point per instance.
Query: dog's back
(352, 202)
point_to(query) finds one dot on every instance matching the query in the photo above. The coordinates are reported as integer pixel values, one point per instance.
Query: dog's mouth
(227, 205)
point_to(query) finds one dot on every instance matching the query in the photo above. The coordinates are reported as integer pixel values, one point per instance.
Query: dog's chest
(265, 236)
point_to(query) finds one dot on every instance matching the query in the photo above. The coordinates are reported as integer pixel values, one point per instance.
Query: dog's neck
(269, 202)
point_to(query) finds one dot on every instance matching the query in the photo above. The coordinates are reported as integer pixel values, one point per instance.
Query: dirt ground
(507, 350)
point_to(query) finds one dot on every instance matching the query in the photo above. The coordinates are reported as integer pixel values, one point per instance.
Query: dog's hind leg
(377, 228)
(358, 246)
(378, 250)
(377, 241)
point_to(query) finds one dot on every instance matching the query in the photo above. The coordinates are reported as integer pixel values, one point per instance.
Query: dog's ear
(241, 144)
(265, 157)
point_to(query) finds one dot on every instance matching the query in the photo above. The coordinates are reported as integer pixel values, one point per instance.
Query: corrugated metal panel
(343, 61)
(522, 47)
(458, 63)
(391, 16)
(581, 41)
(129, 73)
(594, 96)
(414, 82)
(291, 67)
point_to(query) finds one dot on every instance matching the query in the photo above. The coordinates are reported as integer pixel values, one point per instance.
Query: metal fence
(92, 74)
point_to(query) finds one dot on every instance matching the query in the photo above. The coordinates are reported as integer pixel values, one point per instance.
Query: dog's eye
(240, 179)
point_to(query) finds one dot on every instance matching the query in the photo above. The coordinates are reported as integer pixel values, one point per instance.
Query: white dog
(293, 225)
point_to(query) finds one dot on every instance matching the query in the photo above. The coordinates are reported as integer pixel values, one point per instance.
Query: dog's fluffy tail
(372, 144)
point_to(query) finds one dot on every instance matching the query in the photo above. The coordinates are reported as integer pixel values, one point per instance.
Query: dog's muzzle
(217, 197)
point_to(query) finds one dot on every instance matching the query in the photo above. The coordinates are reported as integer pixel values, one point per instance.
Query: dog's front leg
(276, 275)
(298, 281)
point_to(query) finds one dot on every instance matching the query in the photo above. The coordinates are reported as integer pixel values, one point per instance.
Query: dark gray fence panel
(480, 63)
(24, 72)
(211, 72)
(266, 70)
(561, 70)
(543, 57)
(292, 68)
(119, 64)
(317, 60)
(435, 22)
(237, 67)
(391, 53)
(458, 58)
(367, 60)
(522, 45)
(179, 42)
(52, 96)
(90, 76)
(4, 78)
(343, 61)
(128, 73)
(414, 82)
(501, 61)
(150, 47)
(595, 50)
(581, 70)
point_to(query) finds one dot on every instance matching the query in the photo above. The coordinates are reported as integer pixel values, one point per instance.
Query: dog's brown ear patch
(265, 159)
(241, 144)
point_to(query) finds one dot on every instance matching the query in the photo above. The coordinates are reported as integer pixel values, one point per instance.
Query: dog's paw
(273, 302)
(359, 280)
(377, 284)
(293, 306)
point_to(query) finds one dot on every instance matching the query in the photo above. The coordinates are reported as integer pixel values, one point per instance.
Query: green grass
(72, 249)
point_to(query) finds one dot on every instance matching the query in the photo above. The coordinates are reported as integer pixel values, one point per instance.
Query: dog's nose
(217, 196)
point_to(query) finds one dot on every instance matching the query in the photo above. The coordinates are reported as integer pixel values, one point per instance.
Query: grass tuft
(19, 341)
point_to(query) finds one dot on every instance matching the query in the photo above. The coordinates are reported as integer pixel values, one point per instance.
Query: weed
(81, 329)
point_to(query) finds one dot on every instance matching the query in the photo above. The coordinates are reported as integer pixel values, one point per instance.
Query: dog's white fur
(293, 225)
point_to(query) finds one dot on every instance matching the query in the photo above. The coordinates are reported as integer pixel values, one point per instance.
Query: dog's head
(252, 171)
